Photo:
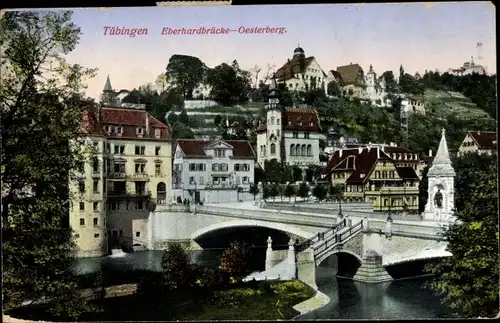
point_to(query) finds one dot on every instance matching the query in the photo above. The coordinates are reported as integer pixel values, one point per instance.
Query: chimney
(478, 132)
(360, 150)
(378, 153)
(430, 152)
(147, 123)
(340, 152)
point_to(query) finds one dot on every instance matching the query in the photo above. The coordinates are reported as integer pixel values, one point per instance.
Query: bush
(177, 269)
(233, 261)
(304, 190)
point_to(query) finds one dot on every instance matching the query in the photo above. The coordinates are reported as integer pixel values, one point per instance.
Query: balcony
(128, 195)
(140, 177)
(221, 186)
(117, 176)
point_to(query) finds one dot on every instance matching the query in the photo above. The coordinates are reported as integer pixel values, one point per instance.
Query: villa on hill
(479, 142)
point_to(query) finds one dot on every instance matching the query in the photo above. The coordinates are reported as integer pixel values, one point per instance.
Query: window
(391, 174)
(137, 234)
(119, 168)
(81, 186)
(157, 151)
(295, 135)
(157, 133)
(96, 206)
(311, 124)
(140, 168)
(95, 145)
(96, 221)
(82, 221)
(273, 149)
(292, 150)
(77, 236)
(237, 180)
(157, 168)
(119, 149)
(278, 121)
(223, 167)
(191, 180)
(96, 235)
(202, 180)
(139, 131)
(278, 132)
(139, 205)
(245, 179)
(95, 186)
(306, 135)
(215, 167)
(108, 148)
(95, 165)
(119, 130)
(309, 150)
(377, 174)
(272, 120)
(236, 167)
(220, 153)
(246, 167)
(139, 150)
(112, 206)
(82, 206)
(289, 121)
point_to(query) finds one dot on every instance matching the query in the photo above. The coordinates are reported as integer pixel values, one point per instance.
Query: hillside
(448, 103)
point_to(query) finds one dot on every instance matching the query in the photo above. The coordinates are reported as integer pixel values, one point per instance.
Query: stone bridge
(364, 242)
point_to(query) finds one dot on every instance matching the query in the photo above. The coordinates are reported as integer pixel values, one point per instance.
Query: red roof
(95, 121)
(361, 161)
(196, 148)
(484, 139)
(298, 119)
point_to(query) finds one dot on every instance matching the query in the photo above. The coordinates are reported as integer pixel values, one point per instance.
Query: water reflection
(405, 299)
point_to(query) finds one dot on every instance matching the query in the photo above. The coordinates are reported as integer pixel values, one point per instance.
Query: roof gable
(219, 144)
(484, 139)
(350, 73)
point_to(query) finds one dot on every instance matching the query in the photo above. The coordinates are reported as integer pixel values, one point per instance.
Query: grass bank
(243, 301)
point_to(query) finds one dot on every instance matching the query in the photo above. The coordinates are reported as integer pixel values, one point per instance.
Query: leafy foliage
(229, 83)
(41, 111)
(320, 191)
(290, 190)
(467, 280)
(177, 269)
(254, 189)
(304, 190)
(233, 261)
(273, 190)
(186, 72)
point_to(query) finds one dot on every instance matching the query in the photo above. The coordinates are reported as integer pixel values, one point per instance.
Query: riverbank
(250, 301)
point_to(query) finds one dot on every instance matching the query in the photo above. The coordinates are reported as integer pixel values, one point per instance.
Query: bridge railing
(338, 238)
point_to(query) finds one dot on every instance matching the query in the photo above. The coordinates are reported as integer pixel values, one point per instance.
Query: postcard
(272, 162)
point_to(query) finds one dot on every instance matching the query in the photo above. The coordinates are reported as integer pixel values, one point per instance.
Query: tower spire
(107, 86)
(441, 165)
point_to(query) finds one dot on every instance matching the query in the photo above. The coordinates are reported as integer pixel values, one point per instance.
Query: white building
(467, 69)
(302, 73)
(441, 176)
(479, 142)
(213, 171)
(291, 134)
(356, 84)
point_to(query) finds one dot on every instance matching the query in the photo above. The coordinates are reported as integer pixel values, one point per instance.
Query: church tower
(274, 123)
(370, 81)
(441, 176)
(107, 93)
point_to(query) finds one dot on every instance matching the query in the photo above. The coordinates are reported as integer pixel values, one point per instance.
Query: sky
(417, 36)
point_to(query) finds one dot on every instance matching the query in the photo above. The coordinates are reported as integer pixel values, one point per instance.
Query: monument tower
(441, 176)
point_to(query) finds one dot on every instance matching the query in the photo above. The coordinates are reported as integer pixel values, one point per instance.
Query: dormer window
(107, 129)
(119, 130)
(311, 124)
(289, 121)
(157, 133)
(300, 122)
(139, 131)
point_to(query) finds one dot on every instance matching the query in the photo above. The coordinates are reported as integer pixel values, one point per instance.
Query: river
(403, 299)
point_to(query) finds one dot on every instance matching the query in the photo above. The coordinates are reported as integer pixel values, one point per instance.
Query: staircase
(326, 241)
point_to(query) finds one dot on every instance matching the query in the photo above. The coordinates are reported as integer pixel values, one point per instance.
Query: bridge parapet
(287, 217)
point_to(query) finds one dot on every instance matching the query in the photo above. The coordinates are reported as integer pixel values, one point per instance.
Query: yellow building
(388, 177)
(128, 175)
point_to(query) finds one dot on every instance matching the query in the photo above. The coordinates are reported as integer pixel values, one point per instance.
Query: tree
(176, 267)
(183, 117)
(181, 131)
(254, 190)
(423, 190)
(41, 113)
(390, 81)
(320, 192)
(273, 190)
(233, 261)
(304, 190)
(290, 190)
(217, 120)
(467, 280)
(229, 83)
(185, 72)
(333, 89)
(161, 82)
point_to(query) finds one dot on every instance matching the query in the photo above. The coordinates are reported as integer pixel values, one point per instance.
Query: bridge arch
(251, 223)
(337, 252)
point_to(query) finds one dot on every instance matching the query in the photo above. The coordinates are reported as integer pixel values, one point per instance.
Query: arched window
(304, 150)
(161, 191)
(273, 149)
(309, 150)
(292, 150)
(272, 120)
